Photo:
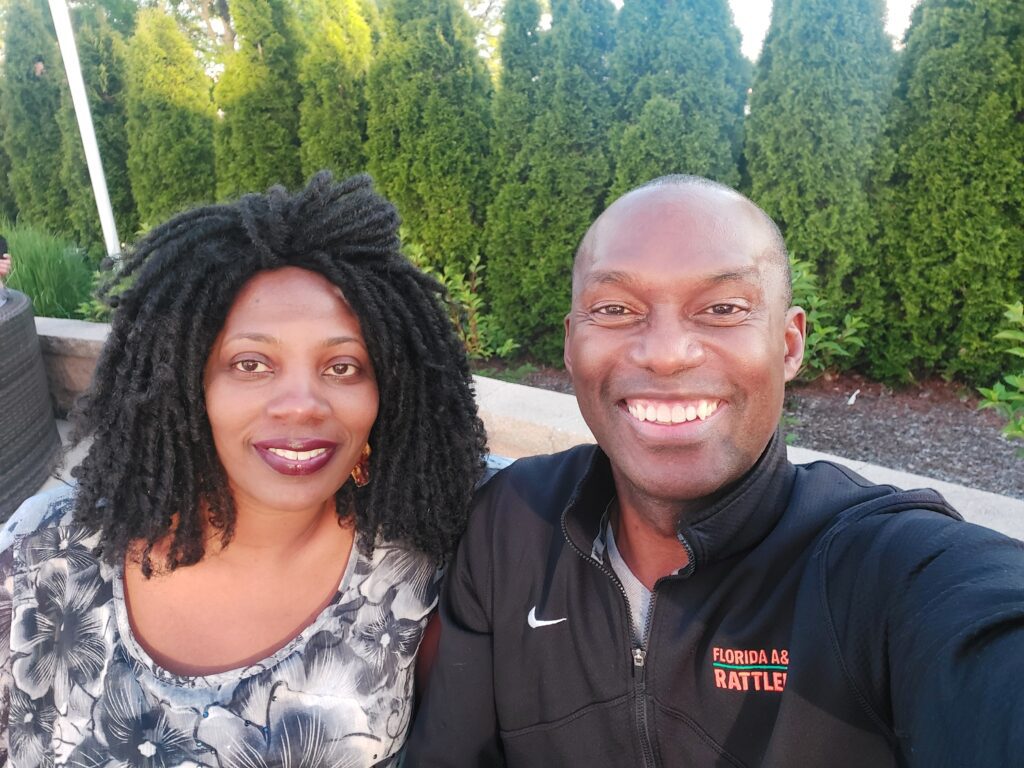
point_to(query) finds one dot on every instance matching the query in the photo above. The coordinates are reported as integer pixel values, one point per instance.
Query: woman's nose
(298, 397)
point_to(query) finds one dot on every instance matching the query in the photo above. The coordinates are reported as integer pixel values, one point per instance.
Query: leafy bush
(477, 329)
(52, 272)
(1008, 399)
(832, 343)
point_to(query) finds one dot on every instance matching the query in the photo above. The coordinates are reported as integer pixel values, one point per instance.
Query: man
(5, 259)
(681, 595)
(5, 269)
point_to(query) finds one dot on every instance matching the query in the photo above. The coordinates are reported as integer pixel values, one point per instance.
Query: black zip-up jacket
(823, 621)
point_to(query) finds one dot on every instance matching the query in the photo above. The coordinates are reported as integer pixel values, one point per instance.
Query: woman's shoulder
(45, 511)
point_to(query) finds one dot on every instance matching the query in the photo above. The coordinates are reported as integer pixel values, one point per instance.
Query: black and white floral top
(78, 690)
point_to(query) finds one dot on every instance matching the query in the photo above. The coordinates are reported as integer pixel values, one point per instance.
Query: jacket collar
(734, 523)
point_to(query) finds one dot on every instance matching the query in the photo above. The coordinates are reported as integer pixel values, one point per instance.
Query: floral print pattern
(76, 688)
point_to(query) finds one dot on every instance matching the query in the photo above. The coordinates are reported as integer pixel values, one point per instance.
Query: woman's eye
(250, 366)
(342, 370)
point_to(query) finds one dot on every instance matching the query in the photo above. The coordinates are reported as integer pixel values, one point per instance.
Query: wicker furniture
(29, 444)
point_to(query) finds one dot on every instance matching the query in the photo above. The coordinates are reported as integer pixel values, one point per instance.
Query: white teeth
(297, 455)
(662, 413)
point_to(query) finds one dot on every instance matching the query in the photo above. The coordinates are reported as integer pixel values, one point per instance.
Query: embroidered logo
(757, 669)
(534, 622)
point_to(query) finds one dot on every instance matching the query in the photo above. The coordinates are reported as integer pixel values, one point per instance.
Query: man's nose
(668, 344)
(298, 396)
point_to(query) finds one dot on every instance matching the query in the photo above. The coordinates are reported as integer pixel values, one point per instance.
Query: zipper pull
(639, 657)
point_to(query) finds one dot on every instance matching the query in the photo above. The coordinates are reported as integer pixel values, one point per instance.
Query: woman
(284, 447)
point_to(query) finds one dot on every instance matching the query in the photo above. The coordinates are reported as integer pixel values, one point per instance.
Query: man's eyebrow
(751, 274)
(610, 277)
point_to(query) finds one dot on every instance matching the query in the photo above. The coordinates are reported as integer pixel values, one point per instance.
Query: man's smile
(671, 411)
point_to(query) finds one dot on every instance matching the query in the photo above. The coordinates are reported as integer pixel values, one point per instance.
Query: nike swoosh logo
(534, 622)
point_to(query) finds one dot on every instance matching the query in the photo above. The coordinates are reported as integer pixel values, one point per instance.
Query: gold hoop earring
(361, 471)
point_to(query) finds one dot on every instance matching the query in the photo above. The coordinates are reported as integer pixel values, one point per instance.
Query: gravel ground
(933, 430)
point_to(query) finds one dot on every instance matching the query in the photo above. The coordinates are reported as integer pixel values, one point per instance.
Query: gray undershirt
(637, 595)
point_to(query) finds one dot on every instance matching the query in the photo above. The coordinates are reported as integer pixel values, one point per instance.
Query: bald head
(696, 191)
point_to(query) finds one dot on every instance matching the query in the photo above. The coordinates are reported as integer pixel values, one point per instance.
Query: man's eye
(612, 310)
(250, 366)
(724, 309)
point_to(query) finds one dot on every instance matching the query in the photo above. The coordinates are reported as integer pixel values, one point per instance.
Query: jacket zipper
(638, 654)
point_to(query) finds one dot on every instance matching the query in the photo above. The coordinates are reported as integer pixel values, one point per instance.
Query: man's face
(679, 341)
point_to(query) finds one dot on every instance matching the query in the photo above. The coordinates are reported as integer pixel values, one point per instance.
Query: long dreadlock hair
(153, 470)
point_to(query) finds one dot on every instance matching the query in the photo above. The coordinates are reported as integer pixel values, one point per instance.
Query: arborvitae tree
(952, 202)
(33, 76)
(257, 139)
(517, 100)
(170, 120)
(686, 52)
(541, 215)
(819, 96)
(428, 127)
(332, 113)
(101, 51)
(8, 208)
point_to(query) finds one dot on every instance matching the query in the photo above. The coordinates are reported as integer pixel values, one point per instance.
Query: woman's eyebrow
(335, 341)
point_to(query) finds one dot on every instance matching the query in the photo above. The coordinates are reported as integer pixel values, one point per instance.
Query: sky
(752, 17)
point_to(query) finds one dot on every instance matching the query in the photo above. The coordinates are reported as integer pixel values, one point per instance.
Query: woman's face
(290, 392)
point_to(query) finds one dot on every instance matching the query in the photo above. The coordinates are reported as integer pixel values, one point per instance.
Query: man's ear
(795, 335)
(566, 354)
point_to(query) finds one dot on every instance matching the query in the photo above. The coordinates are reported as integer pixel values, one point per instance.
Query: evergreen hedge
(428, 128)
(688, 53)
(101, 51)
(33, 76)
(257, 138)
(539, 216)
(332, 79)
(951, 200)
(169, 120)
(819, 95)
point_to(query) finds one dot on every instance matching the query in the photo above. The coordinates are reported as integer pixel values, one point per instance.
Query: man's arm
(938, 614)
(456, 725)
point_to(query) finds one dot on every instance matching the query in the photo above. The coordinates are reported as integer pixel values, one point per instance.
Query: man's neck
(646, 538)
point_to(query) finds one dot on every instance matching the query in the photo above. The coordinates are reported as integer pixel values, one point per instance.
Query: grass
(50, 271)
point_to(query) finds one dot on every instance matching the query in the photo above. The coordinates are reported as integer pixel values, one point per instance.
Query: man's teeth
(662, 413)
(297, 455)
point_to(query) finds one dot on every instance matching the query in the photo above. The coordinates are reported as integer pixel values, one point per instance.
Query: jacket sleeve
(933, 635)
(457, 726)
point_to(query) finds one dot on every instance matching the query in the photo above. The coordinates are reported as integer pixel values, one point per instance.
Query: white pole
(68, 51)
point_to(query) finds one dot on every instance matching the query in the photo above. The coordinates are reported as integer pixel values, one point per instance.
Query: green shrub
(832, 343)
(1008, 399)
(50, 271)
(477, 329)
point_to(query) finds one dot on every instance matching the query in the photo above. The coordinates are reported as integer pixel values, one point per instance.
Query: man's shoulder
(534, 487)
(838, 493)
